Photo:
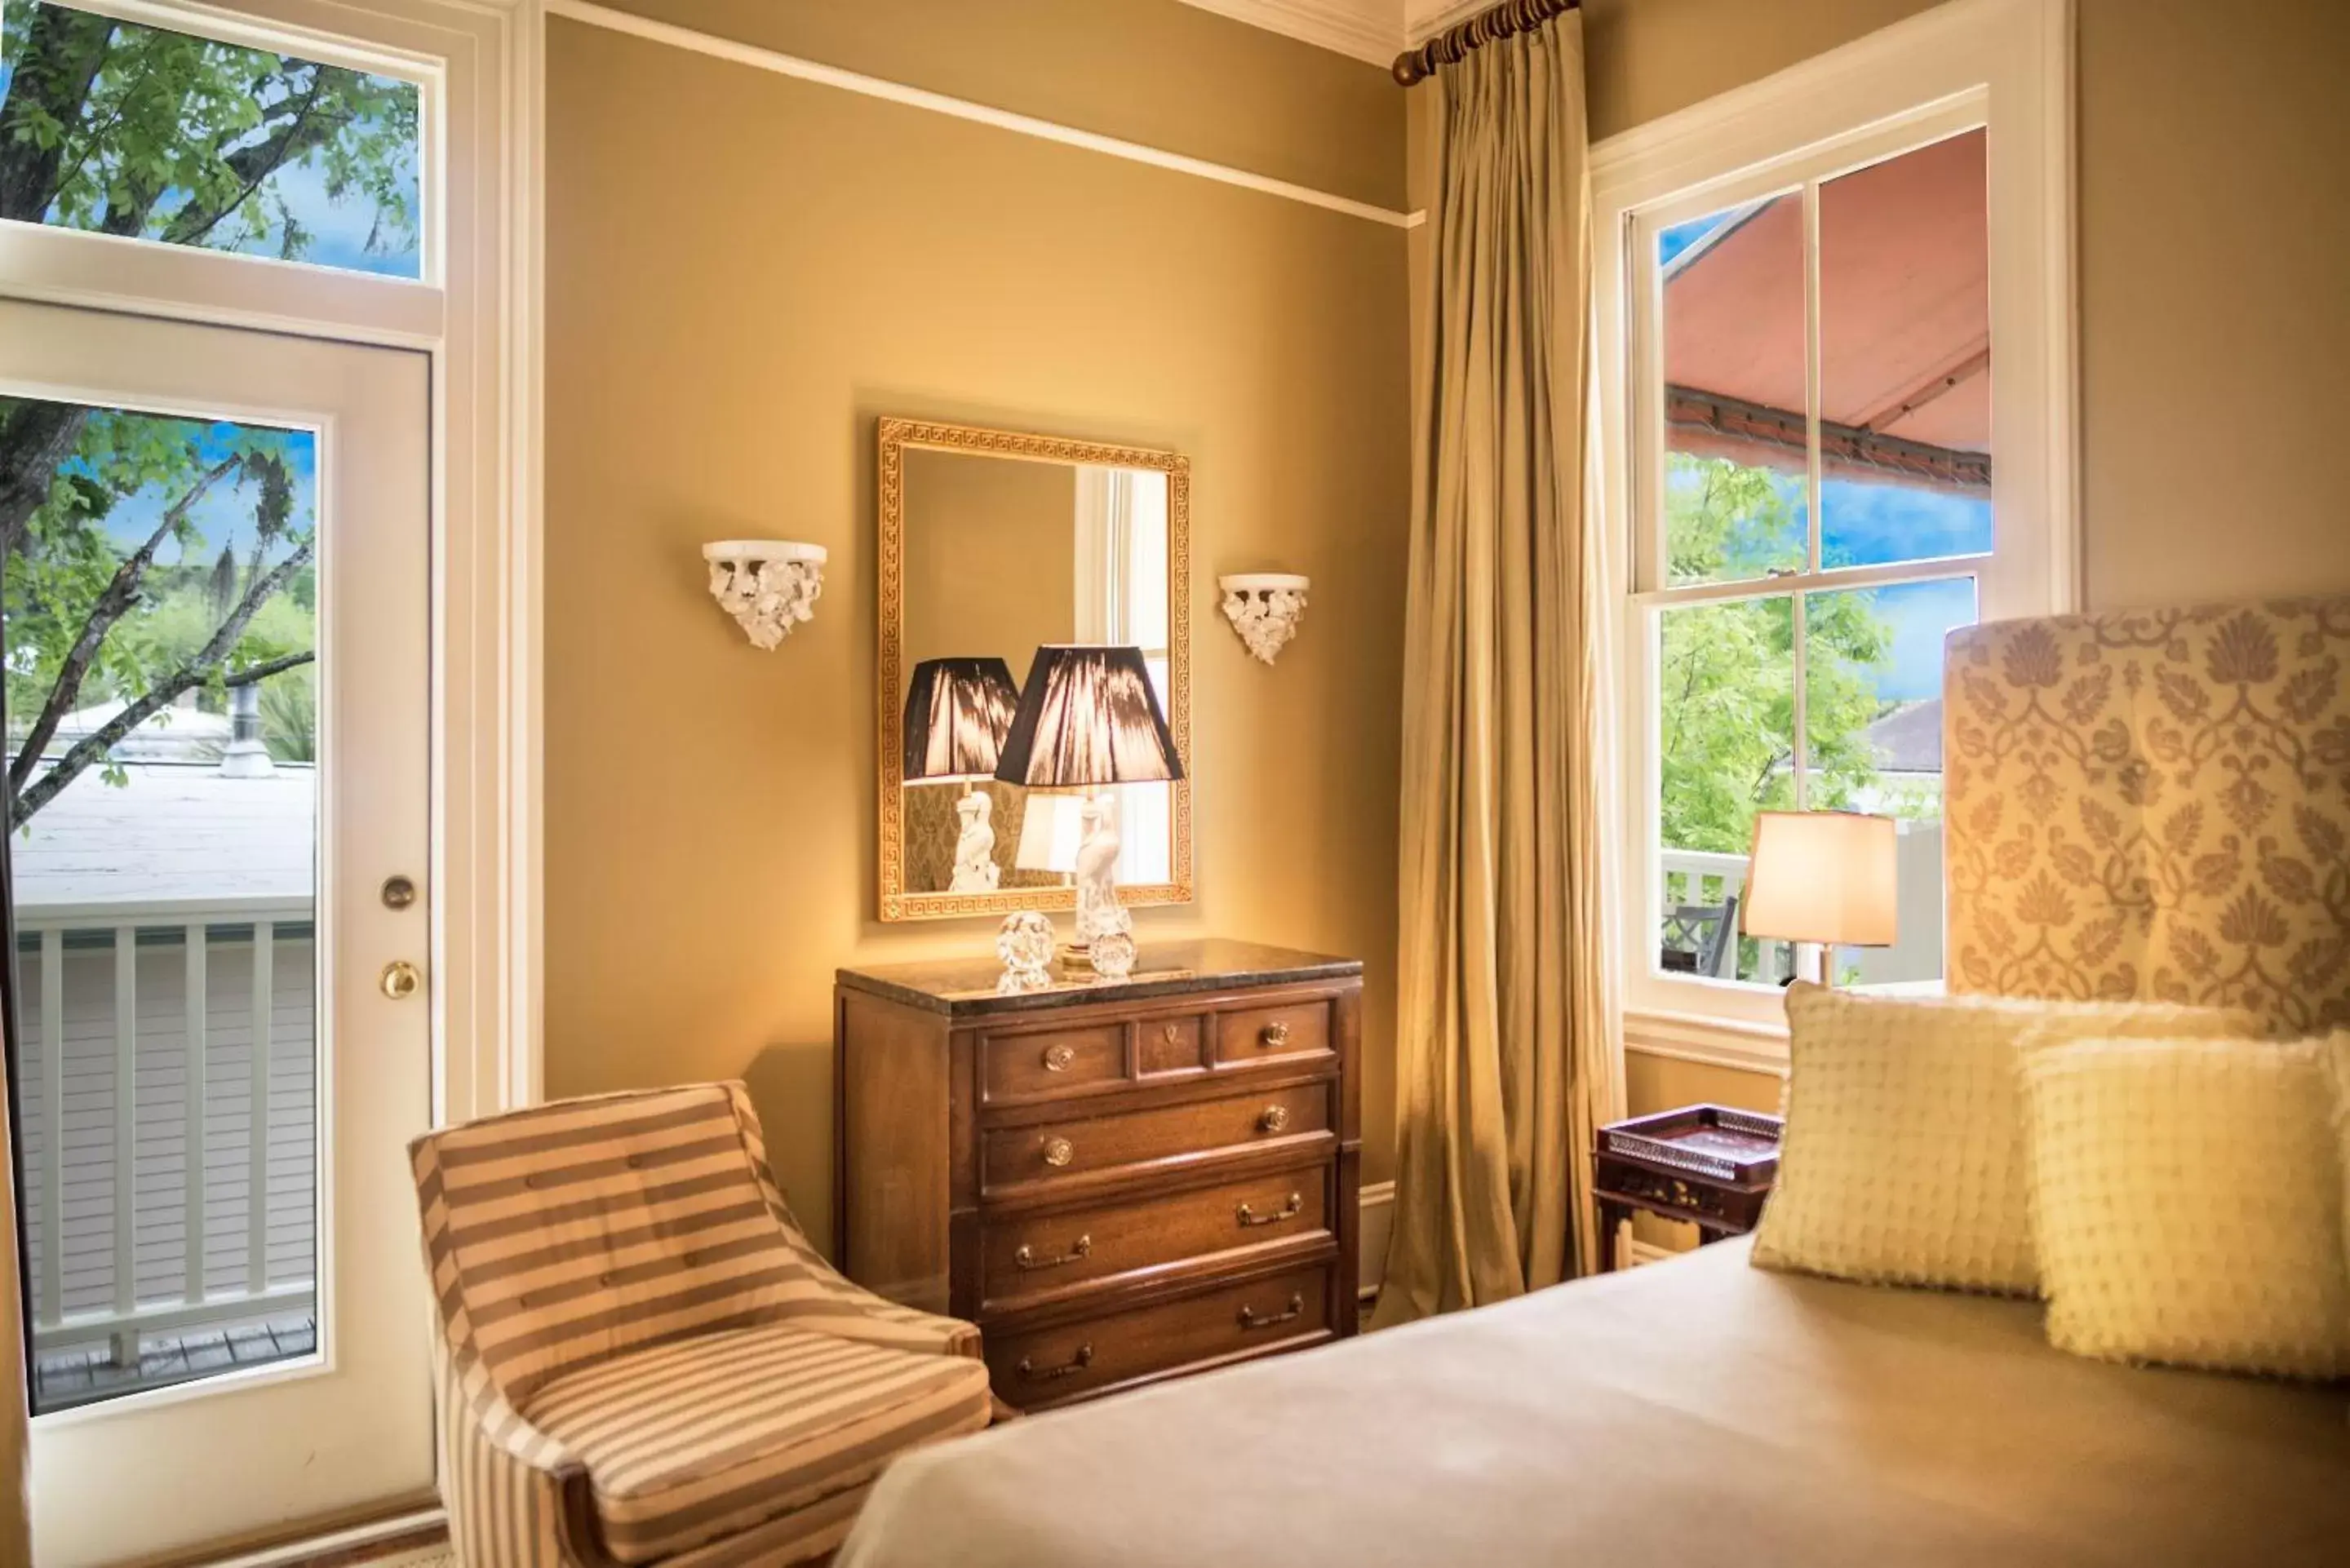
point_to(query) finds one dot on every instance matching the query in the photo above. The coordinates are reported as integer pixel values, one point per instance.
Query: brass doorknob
(399, 980)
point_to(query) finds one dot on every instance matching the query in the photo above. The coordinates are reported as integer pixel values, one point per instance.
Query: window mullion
(1800, 740)
(1811, 376)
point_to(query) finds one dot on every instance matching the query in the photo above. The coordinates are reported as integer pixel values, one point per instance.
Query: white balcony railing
(170, 1117)
(1696, 877)
(1704, 878)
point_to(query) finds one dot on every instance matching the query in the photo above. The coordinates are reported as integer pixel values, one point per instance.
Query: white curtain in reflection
(1121, 578)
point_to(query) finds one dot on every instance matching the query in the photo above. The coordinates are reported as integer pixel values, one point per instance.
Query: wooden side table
(1710, 1166)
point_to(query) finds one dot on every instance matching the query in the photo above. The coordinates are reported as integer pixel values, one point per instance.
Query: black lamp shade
(957, 710)
(1087, 718)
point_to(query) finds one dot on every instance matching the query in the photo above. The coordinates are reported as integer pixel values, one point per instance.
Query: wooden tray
(1716, 1142)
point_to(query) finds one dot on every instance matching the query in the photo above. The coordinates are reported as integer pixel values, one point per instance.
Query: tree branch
(25, 801)
(252, 673)
(253, 164)
(35, 439)
(113, 602)
(63, 52)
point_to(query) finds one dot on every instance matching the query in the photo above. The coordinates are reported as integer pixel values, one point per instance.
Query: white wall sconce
(768, 585)
(1265, 607)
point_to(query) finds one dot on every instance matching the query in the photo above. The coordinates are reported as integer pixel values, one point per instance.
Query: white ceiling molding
(1422, 19)
(1367, 29)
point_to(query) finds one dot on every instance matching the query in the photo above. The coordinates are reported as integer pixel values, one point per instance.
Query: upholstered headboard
(2154, 805)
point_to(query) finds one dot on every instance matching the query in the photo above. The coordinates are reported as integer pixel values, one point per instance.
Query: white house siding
(160, 1103)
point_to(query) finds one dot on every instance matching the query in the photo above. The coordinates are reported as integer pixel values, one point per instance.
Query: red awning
(1905, 325)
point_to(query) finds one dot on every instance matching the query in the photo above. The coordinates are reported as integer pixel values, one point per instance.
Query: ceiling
(1374, 30)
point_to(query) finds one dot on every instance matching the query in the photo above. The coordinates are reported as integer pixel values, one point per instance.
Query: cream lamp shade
(1821, 877)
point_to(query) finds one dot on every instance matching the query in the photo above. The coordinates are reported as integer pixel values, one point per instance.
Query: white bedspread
(1690, 1413)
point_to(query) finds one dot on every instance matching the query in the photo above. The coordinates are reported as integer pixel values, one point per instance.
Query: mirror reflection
(1002, 554)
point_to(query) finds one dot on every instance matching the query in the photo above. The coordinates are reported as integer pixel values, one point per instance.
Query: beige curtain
(1507, 1054)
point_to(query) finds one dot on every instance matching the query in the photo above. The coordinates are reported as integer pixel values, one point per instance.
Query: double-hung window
(1834, 376)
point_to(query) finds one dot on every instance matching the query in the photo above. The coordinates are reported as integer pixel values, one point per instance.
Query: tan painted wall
(991, 558)
(2214, 183)
(745, 272)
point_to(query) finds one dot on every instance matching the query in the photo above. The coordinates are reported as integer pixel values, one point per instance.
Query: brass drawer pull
(1032, 1373)
(1276, 1034)
(1289, 1211)
(1274, 1119)
(1059, 1057)
(1026, 1258)
(1296, 1308)
(1059, 1151)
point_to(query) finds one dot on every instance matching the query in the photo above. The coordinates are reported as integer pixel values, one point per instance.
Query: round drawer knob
(1059, 1151)
(1059, 1057)
(1276, 1034)
(1275, 1119)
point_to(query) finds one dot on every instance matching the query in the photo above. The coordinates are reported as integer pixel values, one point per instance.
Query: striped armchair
(641, 1360)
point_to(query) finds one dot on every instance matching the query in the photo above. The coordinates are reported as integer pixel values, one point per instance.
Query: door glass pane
(158, 612)
(1735, 452)
(1873, 727)
(1905, 358)
(121, 129)
(1725, 729)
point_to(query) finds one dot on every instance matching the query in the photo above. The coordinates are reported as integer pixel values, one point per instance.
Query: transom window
(118, 128)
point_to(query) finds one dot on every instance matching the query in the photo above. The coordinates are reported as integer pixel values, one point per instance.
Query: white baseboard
(1377, 1226)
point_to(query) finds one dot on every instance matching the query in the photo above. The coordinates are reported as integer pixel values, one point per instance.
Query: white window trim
(2006, 62)
(476, 312)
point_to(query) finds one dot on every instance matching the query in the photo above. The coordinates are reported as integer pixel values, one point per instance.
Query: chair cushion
(1904, 1161)
(702, 1438)
(2186, 1204)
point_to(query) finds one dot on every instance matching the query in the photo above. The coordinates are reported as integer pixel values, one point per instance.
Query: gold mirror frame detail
(895, 437)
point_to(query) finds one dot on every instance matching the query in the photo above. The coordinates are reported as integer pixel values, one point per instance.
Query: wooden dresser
(1117, 1183)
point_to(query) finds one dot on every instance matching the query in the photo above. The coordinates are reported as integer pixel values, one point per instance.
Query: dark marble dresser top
(965, 988)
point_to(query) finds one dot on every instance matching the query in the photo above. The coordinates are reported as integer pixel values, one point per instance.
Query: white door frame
(477, 313)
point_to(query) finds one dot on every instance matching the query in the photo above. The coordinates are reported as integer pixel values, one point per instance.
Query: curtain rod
(1446, 48)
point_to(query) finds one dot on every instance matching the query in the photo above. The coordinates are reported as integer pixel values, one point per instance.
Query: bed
(2117, 789)
(1688, 1412)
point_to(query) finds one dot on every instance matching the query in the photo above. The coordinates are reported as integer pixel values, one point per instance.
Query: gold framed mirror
(992, 544)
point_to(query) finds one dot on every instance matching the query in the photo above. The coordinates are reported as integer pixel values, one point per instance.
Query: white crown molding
(1424, 18)
(710, 44)
(1367, 29)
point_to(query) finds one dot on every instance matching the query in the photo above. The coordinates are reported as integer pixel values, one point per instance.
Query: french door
(221, 919)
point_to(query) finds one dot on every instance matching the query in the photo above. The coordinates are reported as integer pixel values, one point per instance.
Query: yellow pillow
(2186, 1204)
(1904, 1161)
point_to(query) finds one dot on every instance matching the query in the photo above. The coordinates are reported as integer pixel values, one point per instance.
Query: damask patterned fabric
(2153, 804)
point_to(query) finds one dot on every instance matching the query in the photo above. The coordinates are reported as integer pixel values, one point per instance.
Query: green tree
(87, 619)
(138, 131)
(1726, 674)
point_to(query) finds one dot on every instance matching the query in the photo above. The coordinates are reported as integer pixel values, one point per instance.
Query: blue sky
(225, 513)
(1864, 524)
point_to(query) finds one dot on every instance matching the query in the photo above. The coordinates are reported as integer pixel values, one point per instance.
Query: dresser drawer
(1051, 1061)
(1051, 1364)
(1272, 1033)
(1073, 1146)
(1031, 1255)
